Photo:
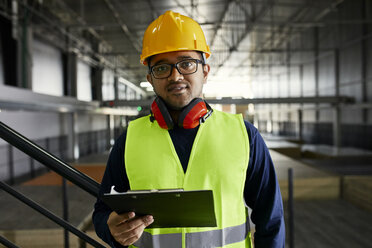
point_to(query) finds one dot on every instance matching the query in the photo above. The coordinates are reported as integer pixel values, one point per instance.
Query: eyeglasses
(184, 67)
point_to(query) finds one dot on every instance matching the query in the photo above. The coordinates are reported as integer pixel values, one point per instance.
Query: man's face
(178, 90)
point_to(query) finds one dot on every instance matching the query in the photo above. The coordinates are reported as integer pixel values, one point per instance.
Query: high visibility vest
(218, 161)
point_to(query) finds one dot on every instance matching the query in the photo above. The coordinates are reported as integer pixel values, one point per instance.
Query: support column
(301, 71)
(337, 127)
(289, 118)
(128, 93)
(278, 106)
(364, 54)
(300, 125)
(70, 72)
(300, 111)
(289, 71)
(116, 87)
(110, 131)
(337, 109)
(337, 71)
(271, 121)
(9, 49)
(97, 74)
(125, 87)
(24, 52)
(256, 122)
(73, 152)
(316, 69)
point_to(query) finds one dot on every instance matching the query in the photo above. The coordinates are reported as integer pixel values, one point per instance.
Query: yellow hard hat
(172, 32)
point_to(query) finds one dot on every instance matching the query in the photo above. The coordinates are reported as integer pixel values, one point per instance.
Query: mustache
(171, 83)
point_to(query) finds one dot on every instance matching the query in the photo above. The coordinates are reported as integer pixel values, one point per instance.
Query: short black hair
(148, 60)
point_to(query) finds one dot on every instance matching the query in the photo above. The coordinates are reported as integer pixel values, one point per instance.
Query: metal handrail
(7, 243)
(49, 214)
(63, 169)
(33, 150)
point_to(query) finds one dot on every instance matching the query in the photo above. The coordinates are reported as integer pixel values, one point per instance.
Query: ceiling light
(145, 85)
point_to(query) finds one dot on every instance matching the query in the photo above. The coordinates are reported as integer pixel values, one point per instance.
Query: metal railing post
(65, 211)
(290, 208)
(11, 164)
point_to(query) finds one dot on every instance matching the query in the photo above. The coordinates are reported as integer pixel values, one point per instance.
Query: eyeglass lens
(184, 67)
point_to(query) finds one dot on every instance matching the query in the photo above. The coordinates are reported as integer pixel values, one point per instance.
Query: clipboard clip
(113, 191)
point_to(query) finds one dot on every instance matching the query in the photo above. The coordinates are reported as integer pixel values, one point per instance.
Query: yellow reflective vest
(218, 161)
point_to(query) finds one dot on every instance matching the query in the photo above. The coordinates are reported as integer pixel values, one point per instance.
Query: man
(185, 144)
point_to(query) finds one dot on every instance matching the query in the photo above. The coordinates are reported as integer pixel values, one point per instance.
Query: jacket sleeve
(115, 175)
(262, 194)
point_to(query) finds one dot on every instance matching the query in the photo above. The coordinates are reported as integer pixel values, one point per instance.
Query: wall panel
(47, 69)
(327, 75)
(87, 122)
(350, 64)
(84, 82)
(308, 116)
(326, 115)
(351, 116)
(33, 125)
(350, 10)
(295, 83)
(352, 90)
(309, 80)
(284, 85)
(108, 89)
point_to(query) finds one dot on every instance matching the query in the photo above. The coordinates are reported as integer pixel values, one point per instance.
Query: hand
(126, 228)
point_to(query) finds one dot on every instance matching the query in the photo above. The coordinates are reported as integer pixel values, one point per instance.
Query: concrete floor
(331, 224)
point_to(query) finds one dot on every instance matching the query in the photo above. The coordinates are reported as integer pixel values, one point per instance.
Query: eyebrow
(164, 61)
(185, 57)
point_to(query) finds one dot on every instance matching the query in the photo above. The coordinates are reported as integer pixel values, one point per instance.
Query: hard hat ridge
(175, 18)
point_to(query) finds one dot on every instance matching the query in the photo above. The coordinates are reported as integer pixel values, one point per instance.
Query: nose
(175, 75)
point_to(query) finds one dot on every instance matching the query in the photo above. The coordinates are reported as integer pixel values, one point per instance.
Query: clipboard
(170, 208)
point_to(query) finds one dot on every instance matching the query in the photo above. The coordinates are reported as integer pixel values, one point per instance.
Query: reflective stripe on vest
(170, 240)
(218, 238)
(214, 238)
(218, 161)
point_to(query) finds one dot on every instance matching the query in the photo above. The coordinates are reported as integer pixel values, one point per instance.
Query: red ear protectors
(160, 112)
(191, 114)
(190, 117)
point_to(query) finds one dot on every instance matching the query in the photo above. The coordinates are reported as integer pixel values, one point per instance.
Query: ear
(149, 79)
(206, 70)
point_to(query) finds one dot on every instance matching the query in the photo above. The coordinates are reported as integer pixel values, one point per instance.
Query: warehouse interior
(299, 70)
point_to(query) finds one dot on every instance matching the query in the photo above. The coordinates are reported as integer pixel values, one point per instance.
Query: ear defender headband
(196, 112)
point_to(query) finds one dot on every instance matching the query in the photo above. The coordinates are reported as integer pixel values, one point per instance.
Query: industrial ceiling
(248, 38)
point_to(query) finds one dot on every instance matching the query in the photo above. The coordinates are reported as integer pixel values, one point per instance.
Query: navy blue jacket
(261, 194)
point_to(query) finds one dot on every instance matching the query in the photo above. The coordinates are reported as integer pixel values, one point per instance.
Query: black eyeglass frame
(197, 61)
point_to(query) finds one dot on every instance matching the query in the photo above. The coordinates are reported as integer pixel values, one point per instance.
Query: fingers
(126, 228)
(136, 228)
(117, 219)
(137, 222)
